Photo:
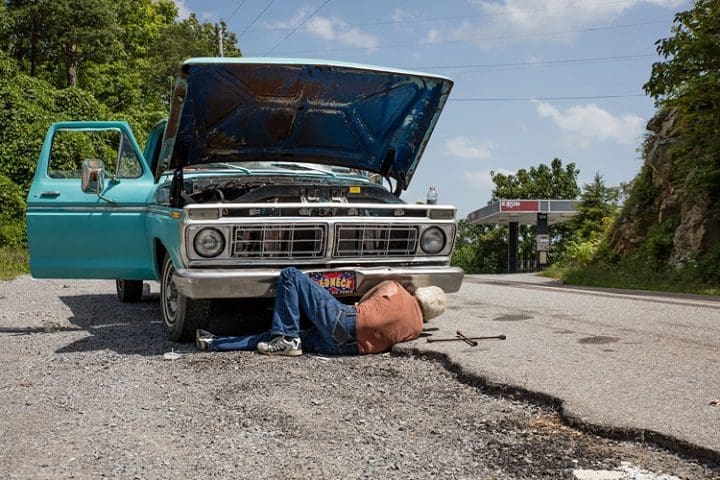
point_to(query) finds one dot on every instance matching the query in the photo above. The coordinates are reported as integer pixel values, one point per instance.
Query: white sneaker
(203, 339)
(280, 346)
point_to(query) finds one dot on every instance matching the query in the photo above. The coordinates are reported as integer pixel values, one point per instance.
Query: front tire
(129, 291)
(182, 316)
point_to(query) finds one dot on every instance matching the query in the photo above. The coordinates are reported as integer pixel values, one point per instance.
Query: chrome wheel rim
(169, 295)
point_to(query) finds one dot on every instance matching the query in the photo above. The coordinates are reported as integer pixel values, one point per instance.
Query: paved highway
(624, 363)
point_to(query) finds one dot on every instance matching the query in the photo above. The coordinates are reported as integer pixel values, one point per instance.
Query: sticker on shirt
(337, 283)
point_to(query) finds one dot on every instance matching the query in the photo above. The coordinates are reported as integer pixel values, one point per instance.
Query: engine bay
(281, 190)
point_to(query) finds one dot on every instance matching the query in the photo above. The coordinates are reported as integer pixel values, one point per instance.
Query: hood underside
(355, 116)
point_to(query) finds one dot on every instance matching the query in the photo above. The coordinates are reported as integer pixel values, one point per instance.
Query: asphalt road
(626, 364)
(89, 391)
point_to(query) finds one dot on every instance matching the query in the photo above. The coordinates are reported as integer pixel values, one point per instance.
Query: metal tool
(460, 339)
(465, 339)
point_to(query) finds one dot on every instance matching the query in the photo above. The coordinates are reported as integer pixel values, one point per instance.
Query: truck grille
(375, 240)
(279, 241)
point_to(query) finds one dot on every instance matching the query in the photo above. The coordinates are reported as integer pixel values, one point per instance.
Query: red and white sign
(519, 205)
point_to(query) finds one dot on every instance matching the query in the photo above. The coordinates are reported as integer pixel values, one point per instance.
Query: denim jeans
(333, 323)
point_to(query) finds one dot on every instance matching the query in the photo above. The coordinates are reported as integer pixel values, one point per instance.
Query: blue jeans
(333, 323)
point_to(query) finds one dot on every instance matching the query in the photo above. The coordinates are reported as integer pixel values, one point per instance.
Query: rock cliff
(660, 202)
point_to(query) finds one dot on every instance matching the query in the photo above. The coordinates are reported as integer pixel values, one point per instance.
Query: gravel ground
(87, 393)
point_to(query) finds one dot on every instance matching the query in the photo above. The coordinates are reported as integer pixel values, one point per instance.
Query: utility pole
(220, 39)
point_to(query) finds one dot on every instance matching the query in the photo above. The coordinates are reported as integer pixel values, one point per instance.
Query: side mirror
(93, 175)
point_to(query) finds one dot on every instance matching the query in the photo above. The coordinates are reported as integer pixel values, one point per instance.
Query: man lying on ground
(386, 315)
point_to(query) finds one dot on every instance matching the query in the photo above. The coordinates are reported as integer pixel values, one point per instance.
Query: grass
(633, 277)
(13, 262)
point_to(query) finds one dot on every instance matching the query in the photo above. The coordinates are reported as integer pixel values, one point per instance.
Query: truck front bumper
(256, 283)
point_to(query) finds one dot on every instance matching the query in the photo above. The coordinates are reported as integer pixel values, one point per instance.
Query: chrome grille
(375, 240)
(279, 241)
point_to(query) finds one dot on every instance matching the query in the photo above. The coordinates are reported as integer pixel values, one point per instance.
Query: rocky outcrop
(699, 230)
(658, 198)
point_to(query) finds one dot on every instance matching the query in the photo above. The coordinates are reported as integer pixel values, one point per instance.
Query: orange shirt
(389, 316)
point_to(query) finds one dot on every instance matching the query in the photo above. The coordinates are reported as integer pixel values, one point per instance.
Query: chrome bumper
(226, 283)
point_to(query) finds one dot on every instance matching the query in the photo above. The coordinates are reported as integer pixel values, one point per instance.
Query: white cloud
(405, 19)
(582, 124)
(183, 10)
(463, 147)
(322, 27)
(293, 22)
(482, 178)
(329, 29)
(402, 15)
(433, 36)
(336, 30)
(511, 20)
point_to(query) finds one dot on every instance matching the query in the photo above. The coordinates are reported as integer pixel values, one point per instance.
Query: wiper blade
(297, 166)
(236, 167)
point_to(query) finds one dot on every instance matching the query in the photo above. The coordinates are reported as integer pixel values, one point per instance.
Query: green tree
(591, 226)
(688, 81)
(179, 41)
(598, 204)
(480, 248)
(81, 32)
(22, 31)
(537, 183)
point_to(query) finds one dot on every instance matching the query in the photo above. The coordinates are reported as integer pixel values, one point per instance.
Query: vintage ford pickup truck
(261, 164)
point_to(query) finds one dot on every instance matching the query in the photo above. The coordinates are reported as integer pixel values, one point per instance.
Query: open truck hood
(260, 109)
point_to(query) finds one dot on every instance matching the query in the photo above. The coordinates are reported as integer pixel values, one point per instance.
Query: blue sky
(534, 79)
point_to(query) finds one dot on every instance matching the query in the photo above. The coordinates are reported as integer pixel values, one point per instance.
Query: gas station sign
(519, 205)
(543, 243)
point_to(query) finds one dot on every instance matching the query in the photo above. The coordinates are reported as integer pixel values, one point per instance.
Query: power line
(545, 62)
(489, 39)
(236, 10)
(543, 99)
(297, 27)
(456, 17)
(257, 18)
(521, 66)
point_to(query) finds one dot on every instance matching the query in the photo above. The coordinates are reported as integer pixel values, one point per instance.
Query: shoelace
(279, 344)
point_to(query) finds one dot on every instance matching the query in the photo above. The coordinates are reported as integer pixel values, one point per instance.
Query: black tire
(181, 315)
(129, 291)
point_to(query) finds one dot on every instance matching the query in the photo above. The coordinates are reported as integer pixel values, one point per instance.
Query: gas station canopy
(524, 212)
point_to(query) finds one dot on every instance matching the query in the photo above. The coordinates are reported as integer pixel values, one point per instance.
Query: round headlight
(209, 243)
(432, 240)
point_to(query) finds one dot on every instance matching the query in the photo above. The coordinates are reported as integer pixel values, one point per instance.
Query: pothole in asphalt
(598, 340)
(512, 318)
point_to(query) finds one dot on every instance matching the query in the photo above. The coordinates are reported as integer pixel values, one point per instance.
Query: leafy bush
(12, 199)
(658, 243)
(580, 253)
(708, 266)
(12, 233)
(12, 213)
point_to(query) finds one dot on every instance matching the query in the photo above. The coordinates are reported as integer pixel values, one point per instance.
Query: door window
(70, 147)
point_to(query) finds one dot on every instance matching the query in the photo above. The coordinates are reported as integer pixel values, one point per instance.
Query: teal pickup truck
(261, 164)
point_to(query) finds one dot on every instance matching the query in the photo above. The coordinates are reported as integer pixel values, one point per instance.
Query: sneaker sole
(200, 343)
(287, 353)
